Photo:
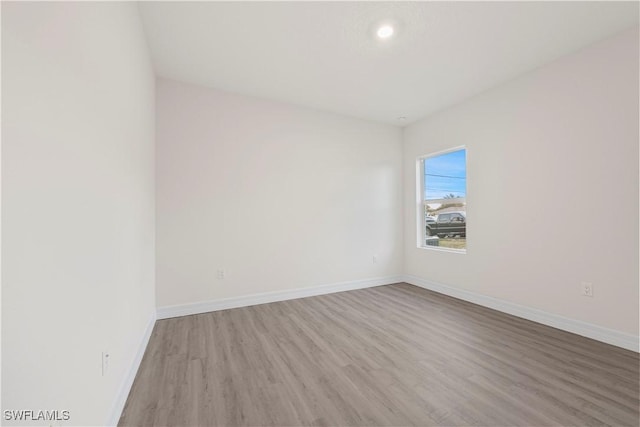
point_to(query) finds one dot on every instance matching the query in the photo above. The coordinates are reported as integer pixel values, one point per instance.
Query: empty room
(320, 213)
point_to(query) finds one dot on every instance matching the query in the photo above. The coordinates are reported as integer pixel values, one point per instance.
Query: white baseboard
(267, 297)
(589, 330)
(127, 382)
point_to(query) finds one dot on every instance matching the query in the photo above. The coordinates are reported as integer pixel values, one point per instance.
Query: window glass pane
(444, 199)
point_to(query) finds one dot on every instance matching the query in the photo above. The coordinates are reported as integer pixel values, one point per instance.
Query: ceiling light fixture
(385, 31)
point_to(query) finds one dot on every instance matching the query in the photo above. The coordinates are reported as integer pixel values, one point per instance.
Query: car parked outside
(448, 224)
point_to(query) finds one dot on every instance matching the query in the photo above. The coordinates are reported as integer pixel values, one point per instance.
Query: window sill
(441, 249)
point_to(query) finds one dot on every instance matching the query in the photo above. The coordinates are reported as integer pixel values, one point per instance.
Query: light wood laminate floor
(393, 355)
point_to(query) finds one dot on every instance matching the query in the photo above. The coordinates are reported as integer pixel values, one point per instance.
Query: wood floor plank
(386, 356)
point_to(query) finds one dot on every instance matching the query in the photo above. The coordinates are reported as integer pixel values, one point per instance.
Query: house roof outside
(450, 209)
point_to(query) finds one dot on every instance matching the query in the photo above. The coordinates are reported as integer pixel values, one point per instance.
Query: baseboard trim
(589, 330)
(267, 297)
(127, 382)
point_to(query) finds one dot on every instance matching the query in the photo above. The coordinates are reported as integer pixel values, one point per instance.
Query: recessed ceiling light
(401, 119)
(385, 31)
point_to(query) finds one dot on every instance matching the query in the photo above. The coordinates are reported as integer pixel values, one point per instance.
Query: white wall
(78, 203)
(280, 197)
(552, 188)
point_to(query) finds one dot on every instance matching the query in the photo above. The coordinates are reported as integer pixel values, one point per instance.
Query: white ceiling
(325, 54)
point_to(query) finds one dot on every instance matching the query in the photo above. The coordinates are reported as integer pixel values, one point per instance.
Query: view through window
(443, 195)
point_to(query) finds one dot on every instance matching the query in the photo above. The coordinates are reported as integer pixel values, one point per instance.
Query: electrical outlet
(105, 362)
(220, 274)
(587, 289)
(375, 259)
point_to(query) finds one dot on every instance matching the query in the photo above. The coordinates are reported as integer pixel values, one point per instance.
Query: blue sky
(446, 174)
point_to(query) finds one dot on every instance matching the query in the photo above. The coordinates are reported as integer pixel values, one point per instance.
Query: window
(442, 196)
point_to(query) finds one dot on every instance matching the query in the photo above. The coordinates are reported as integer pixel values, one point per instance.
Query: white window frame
(420, 210)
